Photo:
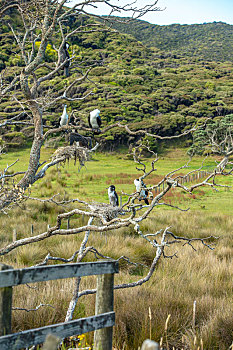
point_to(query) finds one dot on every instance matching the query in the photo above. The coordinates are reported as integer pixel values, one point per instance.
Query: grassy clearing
(204, 276)
(91, 182)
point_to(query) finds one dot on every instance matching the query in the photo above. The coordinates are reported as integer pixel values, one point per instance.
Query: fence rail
(101, 323)
(15, 277)
(62, 330)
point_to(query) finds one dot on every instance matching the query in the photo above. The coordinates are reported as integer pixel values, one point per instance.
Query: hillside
(147, 88)
(208, 41)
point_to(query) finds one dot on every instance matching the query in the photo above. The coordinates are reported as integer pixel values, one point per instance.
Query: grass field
(204, 275)
(105, 169)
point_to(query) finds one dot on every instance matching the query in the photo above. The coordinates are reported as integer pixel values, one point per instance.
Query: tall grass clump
(204, 276)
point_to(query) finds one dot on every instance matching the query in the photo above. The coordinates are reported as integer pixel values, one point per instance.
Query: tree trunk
(34, 160)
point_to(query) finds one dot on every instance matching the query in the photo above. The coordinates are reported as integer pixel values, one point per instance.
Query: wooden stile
(104, 318)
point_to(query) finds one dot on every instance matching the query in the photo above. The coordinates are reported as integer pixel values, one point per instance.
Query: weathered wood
(47, 273)
(14, 236)
(150, 345)
(63, 330)
(104, 303)
(5, 306)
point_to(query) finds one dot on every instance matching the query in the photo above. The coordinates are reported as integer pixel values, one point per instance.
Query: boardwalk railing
(104, 314)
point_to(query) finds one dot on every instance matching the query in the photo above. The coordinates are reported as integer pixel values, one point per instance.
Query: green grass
(204, 276)
(105, 169)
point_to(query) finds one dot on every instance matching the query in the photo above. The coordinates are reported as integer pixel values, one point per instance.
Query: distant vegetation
(208, 41)
(151, 89)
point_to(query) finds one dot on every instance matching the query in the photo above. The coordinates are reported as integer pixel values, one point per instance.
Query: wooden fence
(185, 179)
(101, 323)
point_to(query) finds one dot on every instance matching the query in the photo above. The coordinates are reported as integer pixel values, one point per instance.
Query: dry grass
(204, 276)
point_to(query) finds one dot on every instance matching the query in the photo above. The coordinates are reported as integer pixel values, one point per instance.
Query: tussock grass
(204, 275)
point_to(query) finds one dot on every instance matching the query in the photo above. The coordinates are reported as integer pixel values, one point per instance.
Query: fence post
(5, 305)
(14, 236)
(104, 303)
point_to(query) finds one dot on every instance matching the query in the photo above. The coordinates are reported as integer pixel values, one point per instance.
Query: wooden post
(194, 314)
(14, 238)
(32, 229)
(5, 305)
(68, 223)
(104, 303)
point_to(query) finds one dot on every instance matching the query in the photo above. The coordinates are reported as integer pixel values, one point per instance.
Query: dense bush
(167, 91)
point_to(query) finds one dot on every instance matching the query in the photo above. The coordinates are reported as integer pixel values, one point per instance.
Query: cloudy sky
(182, 11)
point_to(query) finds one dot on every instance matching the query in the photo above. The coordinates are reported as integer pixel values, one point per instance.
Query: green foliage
(209, 41)
(167, 92)
(214, 137)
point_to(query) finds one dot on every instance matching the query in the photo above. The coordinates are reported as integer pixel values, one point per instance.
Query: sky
(181, 11)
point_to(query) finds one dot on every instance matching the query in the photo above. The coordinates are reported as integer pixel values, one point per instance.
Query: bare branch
(29, 310)
(144, 132)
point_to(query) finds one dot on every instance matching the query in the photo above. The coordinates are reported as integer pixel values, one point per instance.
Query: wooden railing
(104, 314)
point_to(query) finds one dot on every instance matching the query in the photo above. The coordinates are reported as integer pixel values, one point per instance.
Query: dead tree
(41, 20)
(104, 218)
(215, 137)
